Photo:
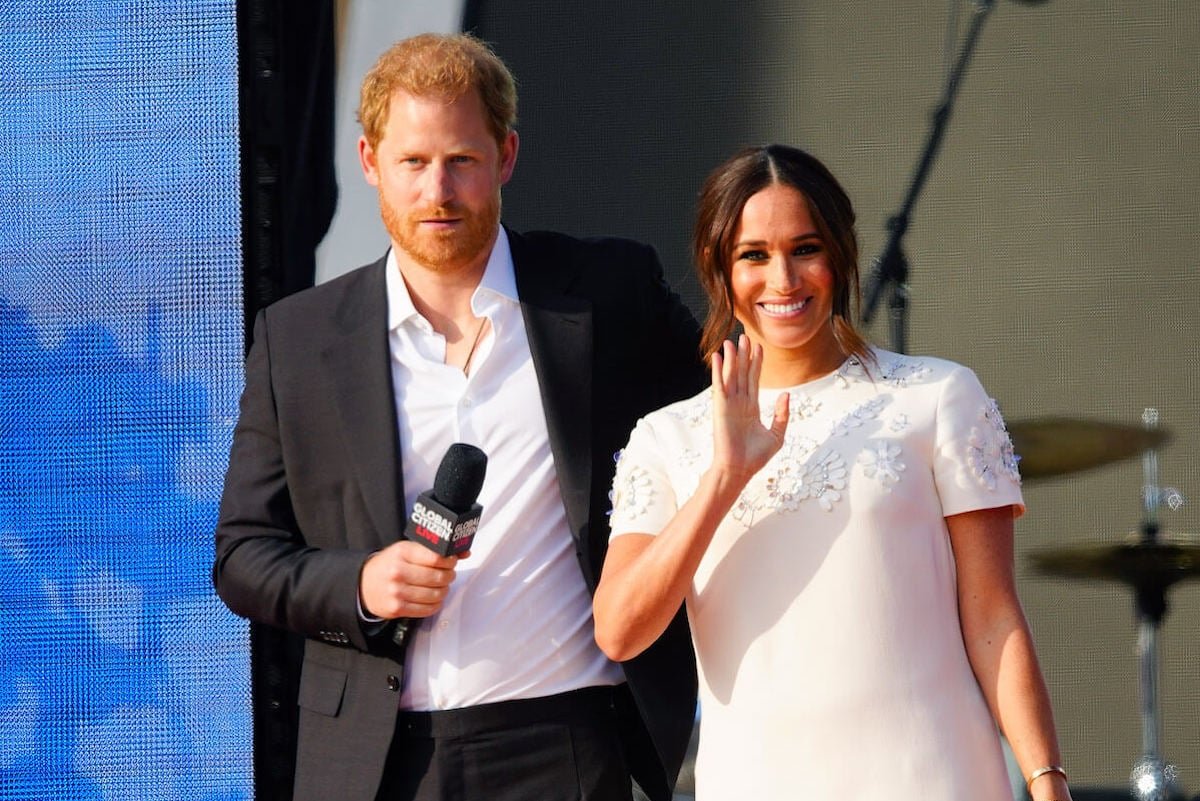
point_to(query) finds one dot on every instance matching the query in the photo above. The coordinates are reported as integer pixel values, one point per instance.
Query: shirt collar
(499, 277)
(499, 281)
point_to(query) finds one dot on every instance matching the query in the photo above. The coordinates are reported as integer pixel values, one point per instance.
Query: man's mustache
(438, 213)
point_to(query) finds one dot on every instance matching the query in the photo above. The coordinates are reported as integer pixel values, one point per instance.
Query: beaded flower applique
(990, 449)
(632, 491)
(893, 369)
(881, 461)
(901, 371)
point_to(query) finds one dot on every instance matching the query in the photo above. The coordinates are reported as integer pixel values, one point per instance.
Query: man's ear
(508, 156)
(368, 160)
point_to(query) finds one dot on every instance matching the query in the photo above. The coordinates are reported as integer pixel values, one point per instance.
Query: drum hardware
(1149, 566)
(1054, 446)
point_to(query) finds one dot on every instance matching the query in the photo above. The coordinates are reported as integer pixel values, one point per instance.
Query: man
(542, 350)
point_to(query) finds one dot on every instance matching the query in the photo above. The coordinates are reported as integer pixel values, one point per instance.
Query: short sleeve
(974, 464)
(643, 499)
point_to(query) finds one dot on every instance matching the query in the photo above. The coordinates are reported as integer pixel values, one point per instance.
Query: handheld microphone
(445, 518)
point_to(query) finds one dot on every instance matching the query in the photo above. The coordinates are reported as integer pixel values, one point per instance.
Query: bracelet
(1042, 772)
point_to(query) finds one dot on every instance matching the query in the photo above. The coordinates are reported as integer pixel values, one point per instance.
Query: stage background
(120, 363)
(1054, 249)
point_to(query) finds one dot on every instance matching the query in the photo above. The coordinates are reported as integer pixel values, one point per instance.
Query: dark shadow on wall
(625, 107)
(289, 191)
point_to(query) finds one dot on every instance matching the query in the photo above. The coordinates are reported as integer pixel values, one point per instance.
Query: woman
(838, 520)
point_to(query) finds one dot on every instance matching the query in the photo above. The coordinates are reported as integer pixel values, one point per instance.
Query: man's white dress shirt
(517, 622)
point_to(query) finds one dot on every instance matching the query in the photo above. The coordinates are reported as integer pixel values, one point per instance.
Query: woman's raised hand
(648, 576)
(741, 444)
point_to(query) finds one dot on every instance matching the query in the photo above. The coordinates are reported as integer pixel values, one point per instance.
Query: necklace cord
(474, 344)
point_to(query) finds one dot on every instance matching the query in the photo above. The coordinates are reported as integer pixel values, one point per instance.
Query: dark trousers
(559, 748)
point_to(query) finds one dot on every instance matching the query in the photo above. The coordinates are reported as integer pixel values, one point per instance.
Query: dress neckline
(833, 374)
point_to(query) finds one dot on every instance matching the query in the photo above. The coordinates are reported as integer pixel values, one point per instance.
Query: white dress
(824, 612)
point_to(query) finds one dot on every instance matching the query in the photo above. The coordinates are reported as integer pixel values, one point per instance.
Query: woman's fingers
(729, 376)
(718, 370)
(733, 365)
(736, 370)
(754, 369)
(779, 423)
(744, 350)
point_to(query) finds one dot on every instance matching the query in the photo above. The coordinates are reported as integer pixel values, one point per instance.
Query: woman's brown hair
(719, 212)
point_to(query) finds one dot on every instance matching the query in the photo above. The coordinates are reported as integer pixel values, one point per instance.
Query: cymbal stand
(1152, 778)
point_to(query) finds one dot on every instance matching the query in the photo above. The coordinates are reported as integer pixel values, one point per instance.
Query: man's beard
(443, 251)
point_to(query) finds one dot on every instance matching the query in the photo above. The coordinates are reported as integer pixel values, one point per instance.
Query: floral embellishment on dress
(803, 405)
(825, 478)
(632, 491)
(784, 488)
(743, 511)
(851, 370)
(797, 447)
(990, 450)
(857, 416)
(901, 370)
(613, 492)
(899, 423)
(800, 406)
(782, 491)
(793, 481)
(695, 413)
(881, 461)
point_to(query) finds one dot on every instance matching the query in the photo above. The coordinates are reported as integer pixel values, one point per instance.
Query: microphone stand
(891, 267)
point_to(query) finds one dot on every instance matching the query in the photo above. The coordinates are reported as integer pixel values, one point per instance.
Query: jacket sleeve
(264, 569)
(677, 335)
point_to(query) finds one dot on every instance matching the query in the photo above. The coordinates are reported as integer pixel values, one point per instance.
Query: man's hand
(405, 579)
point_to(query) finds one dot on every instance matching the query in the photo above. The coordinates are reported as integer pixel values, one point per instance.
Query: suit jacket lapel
(559, 327)
(358, 363)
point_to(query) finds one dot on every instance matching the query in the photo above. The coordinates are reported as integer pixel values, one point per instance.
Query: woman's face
(782, 282)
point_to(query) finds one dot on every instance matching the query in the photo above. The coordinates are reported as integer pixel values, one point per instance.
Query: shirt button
(443, 625)
(393, 683)
(466, 401)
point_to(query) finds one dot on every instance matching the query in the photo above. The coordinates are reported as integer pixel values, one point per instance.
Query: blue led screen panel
(122, 675)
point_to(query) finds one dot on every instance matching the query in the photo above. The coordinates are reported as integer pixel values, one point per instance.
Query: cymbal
(1139, 564)
(1054, 446)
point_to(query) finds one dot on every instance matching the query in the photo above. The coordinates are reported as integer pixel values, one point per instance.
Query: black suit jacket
(314, 483)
